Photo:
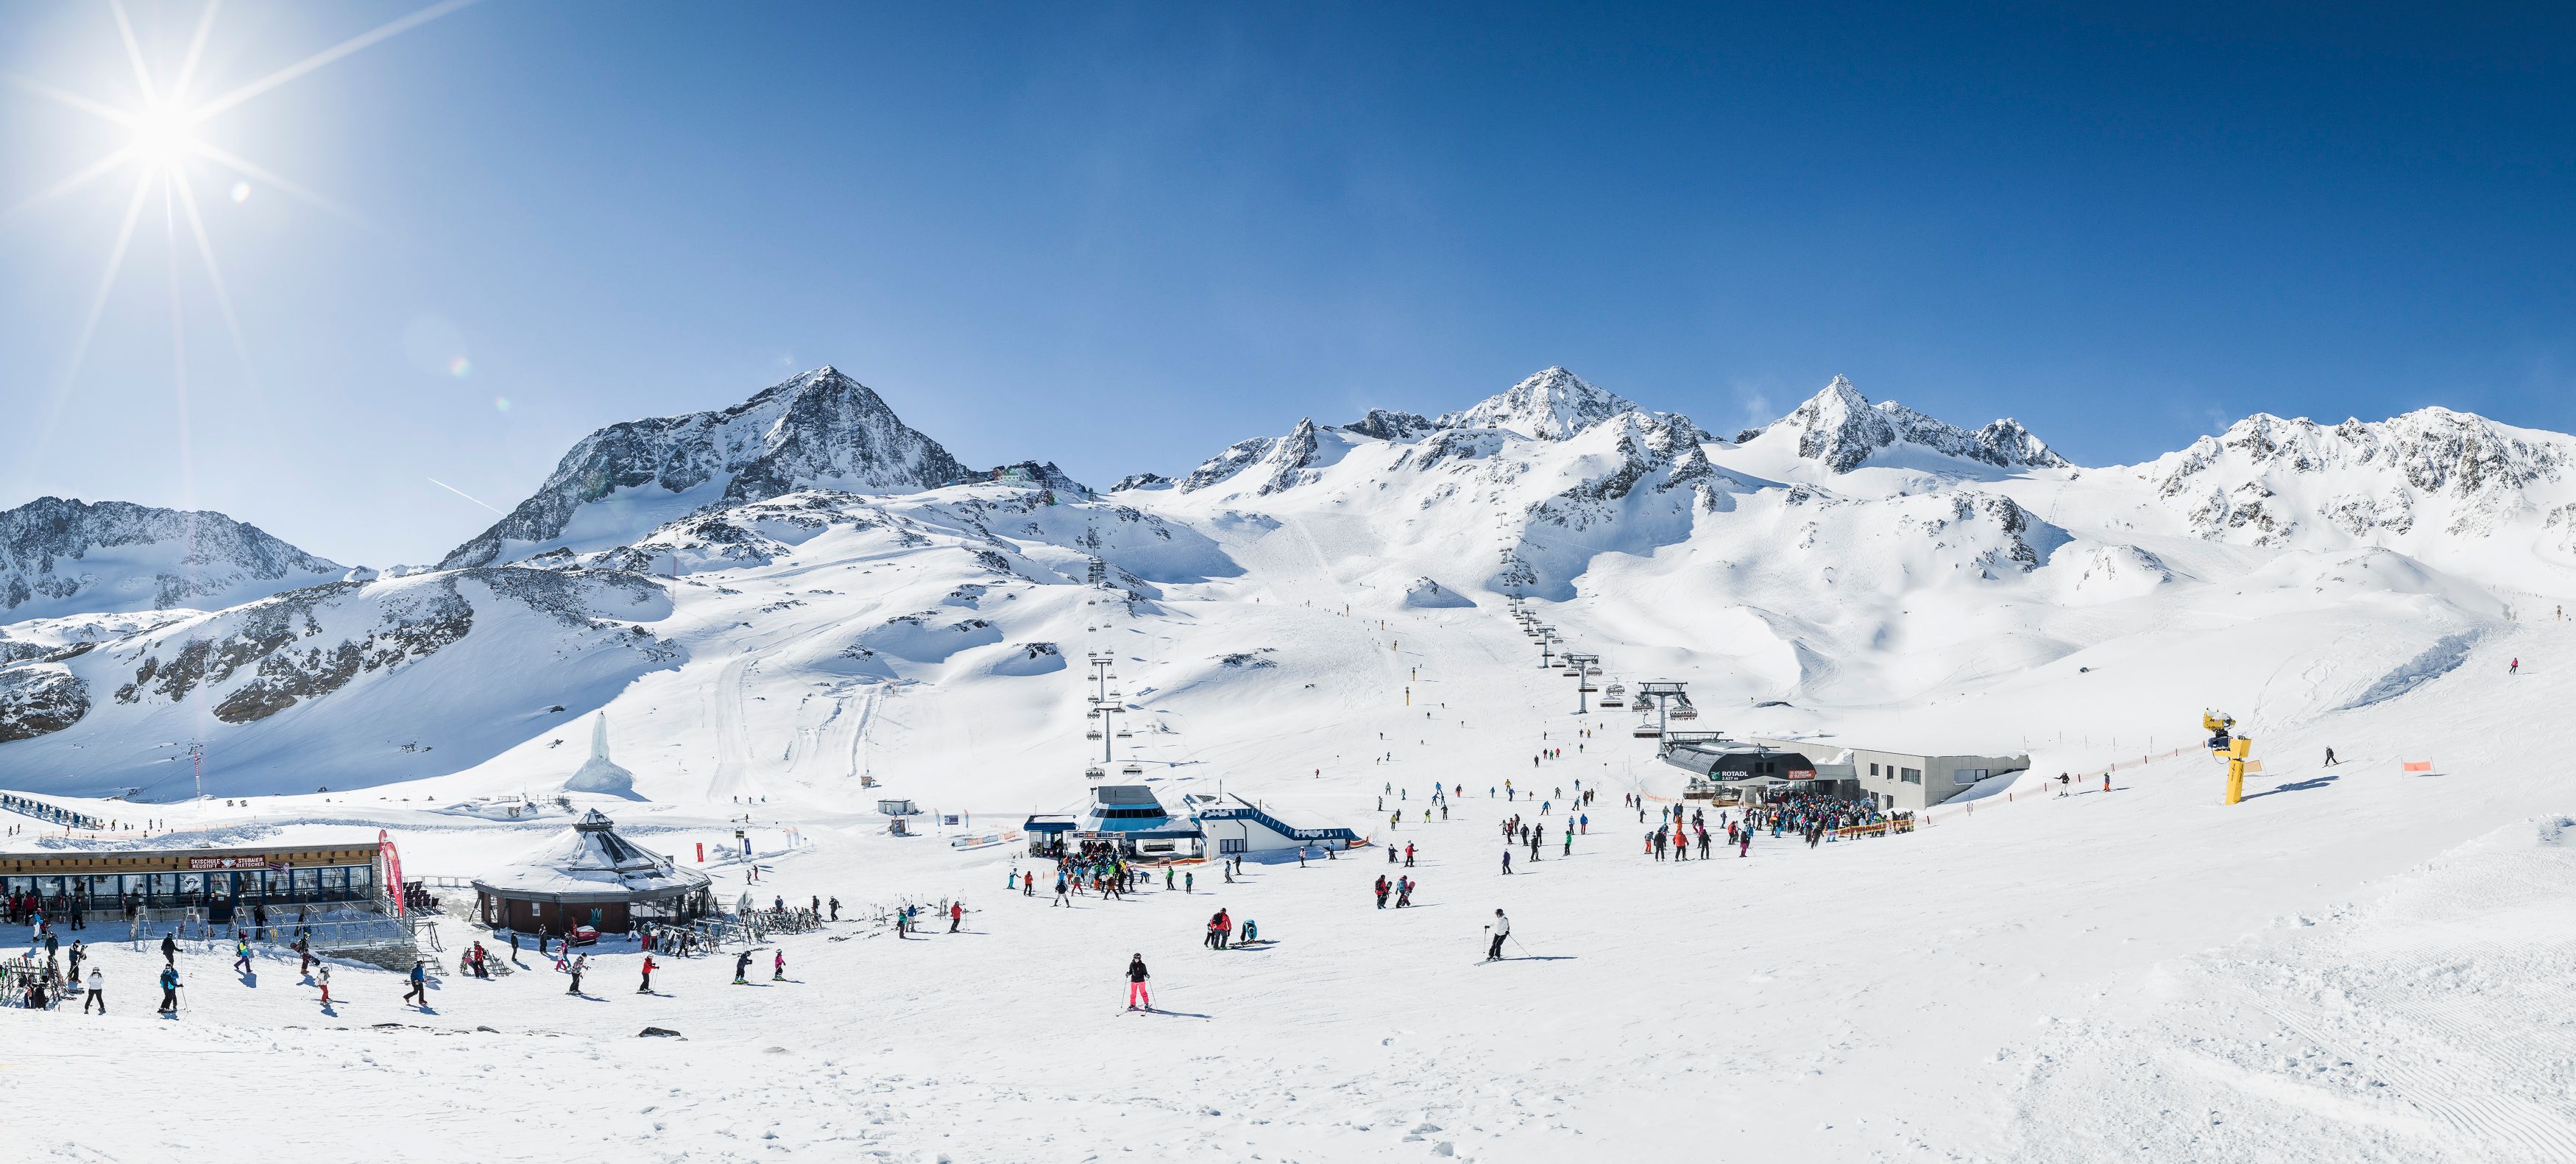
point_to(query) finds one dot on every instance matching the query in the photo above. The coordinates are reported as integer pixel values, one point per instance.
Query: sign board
(255, 862)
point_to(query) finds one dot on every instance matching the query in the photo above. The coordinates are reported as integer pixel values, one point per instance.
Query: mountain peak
(1550, 406)
(1840, 428)
(815, 429)
(65, 556)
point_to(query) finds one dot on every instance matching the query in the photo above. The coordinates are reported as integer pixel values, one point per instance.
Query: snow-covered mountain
(819, 429)
(801, 590)
(1840, 429)
(61, 557)
(2432, 480)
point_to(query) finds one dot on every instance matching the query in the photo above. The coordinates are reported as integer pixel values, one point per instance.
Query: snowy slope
(60, 557)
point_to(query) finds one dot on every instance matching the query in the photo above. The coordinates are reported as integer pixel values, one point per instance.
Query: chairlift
(1592, 671)
(1132, 770)
(1123, 734)
(1095, 773)
(1685, 713)
(1585, 685)
(1646, 731)
(1093, 734)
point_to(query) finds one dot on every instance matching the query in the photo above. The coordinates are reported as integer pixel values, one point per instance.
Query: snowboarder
(1138, 998)
(1382, 889)
(419, 983)
(1501, 929)
(741, 969)
(646, 987)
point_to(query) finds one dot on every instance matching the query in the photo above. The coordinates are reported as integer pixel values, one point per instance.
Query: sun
(164, 135)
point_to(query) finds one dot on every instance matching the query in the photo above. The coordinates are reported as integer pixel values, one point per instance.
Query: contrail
(461, 493)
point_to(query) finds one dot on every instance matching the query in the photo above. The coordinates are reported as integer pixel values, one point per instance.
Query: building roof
(591, 861)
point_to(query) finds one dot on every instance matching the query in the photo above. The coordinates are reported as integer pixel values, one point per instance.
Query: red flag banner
(392, 859)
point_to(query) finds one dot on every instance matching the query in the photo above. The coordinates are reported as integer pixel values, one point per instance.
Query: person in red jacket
(956, 914)
(649, 967)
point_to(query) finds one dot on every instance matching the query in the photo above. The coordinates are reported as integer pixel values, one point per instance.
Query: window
(1873, 769)
(1910, 775)
(1229, 844)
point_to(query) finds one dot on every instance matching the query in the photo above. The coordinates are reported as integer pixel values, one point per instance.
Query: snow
(2355, 964)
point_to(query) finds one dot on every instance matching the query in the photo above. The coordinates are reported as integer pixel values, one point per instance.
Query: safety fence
(51, 813)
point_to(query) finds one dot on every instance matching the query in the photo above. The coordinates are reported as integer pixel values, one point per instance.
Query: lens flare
(459, 367)
(500, 404)
(241, 193)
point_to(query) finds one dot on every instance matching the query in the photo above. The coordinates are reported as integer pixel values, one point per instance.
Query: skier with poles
(1501, 929)
(646, 987)
(1137, 996)
(741, 969)
(170, 991)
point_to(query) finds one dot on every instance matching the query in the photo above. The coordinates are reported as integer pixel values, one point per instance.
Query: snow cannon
(2237, 749)
(2217, 723)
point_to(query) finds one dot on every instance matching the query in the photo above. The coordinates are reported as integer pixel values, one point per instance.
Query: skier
(2516, 667)
(169, 990)
(97, 992)
(579, 965)
(778, 966)
(322, 976)
(646, 987)
(241, 953)
(419, 983)
(956, 914)
(2106, 781)
(170, 949)
(1507, 862)
(836, 909)
(741, 968)
(1137, 996)
(1403, 895)
(1408, 854)
(1062, 887)
(1189, 882)
(1382, 888)
(1501, 929)
(2330, 760)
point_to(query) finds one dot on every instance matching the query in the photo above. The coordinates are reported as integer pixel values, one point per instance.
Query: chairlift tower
(1100, 676)
(1582, 679)
(1097, 574)
(1547, 641)
(1666, 697)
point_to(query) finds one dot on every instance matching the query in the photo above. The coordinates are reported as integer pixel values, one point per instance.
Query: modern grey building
(1905, 781)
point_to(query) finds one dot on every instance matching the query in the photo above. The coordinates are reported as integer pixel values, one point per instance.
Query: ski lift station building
(1898, 781)
(590, 875)
(1136, 820)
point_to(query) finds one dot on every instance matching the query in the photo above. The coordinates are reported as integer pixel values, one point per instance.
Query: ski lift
(1685, 713)
(1646, 730)
(1125, 734)
(1592, 671)
(1093, 734)
(1132, 770)
(1095, 773)
(1584, 685)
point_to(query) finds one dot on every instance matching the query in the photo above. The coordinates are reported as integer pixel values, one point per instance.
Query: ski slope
(2354, 964)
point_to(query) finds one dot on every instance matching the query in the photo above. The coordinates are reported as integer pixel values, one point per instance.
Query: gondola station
(589, 875)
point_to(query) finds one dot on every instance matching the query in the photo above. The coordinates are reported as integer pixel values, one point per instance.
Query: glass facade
(213, 889)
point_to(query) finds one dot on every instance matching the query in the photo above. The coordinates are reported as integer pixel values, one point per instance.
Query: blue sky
(1122, 237)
